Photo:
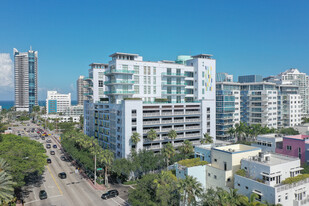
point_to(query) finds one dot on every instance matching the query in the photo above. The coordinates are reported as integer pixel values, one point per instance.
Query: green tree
(231, 131)
(207, 139)
(172, 134)
(151, 135)
(190, 189)
(6, 183)
(29, 157)
(186, 149)
(239, 130)
(168, 152)
(135, 138)
(289, 131)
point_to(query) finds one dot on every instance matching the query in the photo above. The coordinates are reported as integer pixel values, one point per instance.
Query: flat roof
(274, 159)
(102, 64)
(236, 148)
(120, 53)
(202, 55)
(300, 137)
(272, 135)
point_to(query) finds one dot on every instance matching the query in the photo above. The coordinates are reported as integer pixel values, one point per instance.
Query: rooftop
(120, 53)
(203, 56)
(300, 137)
(271, 159)
(236, 148)
(273, 135)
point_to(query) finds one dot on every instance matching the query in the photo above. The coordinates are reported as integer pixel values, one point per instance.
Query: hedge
(192, 162)
(298, 178)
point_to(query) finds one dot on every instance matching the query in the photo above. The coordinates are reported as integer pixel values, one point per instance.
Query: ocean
(9, 104)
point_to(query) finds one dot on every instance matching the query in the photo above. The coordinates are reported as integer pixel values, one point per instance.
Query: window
(149, 81)
(229, 179)
(136, 79)
(149, 88)
(136, 89)
(288, 147)
(145, 70)
(224, 164)
(247, 187)
(208, 174)
(149, 72)
(215, 160)
(100, 83)
(155, 90)
(101, 75)
(154, 80)
(145, 80)
(145, 90)
(125, 67)
(154, 71)
(136, 69)
(101, 91)
(215, 176)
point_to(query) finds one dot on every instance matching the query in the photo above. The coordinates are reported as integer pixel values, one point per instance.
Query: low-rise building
(225, 161)
(56, 102)
(75, 110)
(265, 174)
(268, 142)
(296, 146)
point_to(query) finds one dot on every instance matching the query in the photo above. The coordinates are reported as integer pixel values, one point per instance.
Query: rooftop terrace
(271, 159)
(236, 148)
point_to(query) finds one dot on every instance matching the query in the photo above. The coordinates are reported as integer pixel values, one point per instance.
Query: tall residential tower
(26, 79)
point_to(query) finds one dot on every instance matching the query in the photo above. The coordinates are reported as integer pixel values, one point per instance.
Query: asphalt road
(72, 191)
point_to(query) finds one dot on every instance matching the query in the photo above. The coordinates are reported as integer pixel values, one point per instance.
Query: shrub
(131, 182)
(192, 162)
(298, 178)
(241, 172)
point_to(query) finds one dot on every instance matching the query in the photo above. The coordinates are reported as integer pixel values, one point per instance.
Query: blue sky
(246, 37)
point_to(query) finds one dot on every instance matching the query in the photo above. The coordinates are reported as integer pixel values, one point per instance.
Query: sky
(263, 37)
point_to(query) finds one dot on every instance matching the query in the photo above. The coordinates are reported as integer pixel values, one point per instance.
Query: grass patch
(298, 178)
(241, 172)
(131, 182)
(192, 162)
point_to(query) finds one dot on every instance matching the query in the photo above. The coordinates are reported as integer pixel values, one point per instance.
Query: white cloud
(6, 70)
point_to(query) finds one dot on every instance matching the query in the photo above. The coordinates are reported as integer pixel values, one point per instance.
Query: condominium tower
(143, 95)
(25, 74)
(81, 89)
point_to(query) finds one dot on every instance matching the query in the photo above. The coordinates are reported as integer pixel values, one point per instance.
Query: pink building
(296, 146)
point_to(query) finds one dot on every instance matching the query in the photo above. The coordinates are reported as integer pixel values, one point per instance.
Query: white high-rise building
(143, 95)
(26, 79)
(56, 103)
(81, 89)
(294, 77)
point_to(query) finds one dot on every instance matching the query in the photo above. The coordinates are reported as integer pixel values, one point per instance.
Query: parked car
(49, 161)
(63, 158)
(52, 152)
(54, 146)
(48, 146)
(43, 194)
(48, 141)
(110, 194)
(43, 138)
(62, 175)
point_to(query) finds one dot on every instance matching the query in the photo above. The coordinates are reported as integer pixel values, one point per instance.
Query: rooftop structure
(250, 78)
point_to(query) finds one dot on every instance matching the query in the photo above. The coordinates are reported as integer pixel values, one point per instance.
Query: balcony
(118, 92)
(173, 74)
(193, 112)
(173, 93)
(178, 120)
(193, 127)
(151, 114)
(192, 120)
(193, 135)
(152, 147)
(176, 84)
(118, 82)
(151, 122)
(88, 94)
(178, 113)
(118, 71)
(145, 131)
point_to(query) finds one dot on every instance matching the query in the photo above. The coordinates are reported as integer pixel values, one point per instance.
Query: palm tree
(168, 152)
(190, 189)
(135, 138)
(207, 139)
(236, 199)
(151, 135)
(186, 148)
(6, 183)
(252, 200)
(222, 196)
(209, 198)
(231, 131)
(239, 130)
(256, 130)
(172, 134)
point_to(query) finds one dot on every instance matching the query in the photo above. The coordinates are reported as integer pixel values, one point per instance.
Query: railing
(166, 129)
(151, 114)
(192, 120)
(173, 74)
(178, 112)
(119, 82)
(119, 71)
(167, 113)
(174, 83)
(193, 135)
(178, 120)
(193, 112)
(193, 127)
(172, 93)
(119, 92)
(289, 186)
(151, 122)
(88, 94)
(145, 131)
(152, 147)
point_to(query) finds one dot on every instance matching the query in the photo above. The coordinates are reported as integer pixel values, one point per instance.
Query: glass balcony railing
(171, 93)
(115, 71)
(119, 82)
(175, 83)
(119, 92)
(88, 94)
(173, 74)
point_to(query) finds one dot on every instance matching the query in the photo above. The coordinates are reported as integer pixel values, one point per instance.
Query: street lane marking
(40, 200)
(54, 180)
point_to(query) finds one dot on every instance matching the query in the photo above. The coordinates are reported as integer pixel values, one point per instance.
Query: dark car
(43, 194)
(48, 146)
(63, 158)
(110, 194)
(43, 138)
(54, 146)
(62, 175)
(52, 152)
(49, 160)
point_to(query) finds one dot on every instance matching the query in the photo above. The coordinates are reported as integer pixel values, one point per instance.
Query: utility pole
(95, 168)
